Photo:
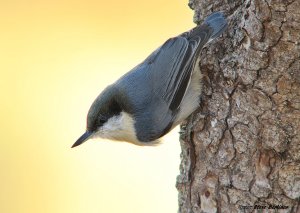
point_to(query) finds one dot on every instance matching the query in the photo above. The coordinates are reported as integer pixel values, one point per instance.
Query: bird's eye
(102, 119)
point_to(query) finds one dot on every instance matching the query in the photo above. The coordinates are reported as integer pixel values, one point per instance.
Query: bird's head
(107, 118)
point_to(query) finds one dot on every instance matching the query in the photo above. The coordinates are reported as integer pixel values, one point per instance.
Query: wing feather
(171, 65)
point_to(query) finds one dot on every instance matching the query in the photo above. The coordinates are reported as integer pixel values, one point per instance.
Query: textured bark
(242, 147)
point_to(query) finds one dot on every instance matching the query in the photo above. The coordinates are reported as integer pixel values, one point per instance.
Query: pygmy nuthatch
(156, 95)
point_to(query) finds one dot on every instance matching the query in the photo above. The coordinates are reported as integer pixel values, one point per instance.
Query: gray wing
(172, 64)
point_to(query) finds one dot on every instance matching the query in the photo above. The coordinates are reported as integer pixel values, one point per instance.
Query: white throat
(120, 128)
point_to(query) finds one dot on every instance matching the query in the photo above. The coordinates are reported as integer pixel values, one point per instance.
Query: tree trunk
(241, 149)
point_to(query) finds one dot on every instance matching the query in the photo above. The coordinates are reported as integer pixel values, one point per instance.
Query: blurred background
(55, 58)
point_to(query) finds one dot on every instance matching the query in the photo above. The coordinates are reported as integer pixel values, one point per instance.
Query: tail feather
(217, 22)
(213, 26)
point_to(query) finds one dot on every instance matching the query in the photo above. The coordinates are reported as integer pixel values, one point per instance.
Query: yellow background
(55, 58)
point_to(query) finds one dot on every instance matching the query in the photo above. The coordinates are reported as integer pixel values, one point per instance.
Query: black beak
(82, 139)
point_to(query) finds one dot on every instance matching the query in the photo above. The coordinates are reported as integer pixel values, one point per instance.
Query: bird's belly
(191, 99)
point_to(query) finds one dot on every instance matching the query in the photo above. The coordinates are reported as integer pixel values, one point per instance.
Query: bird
(156, 95)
